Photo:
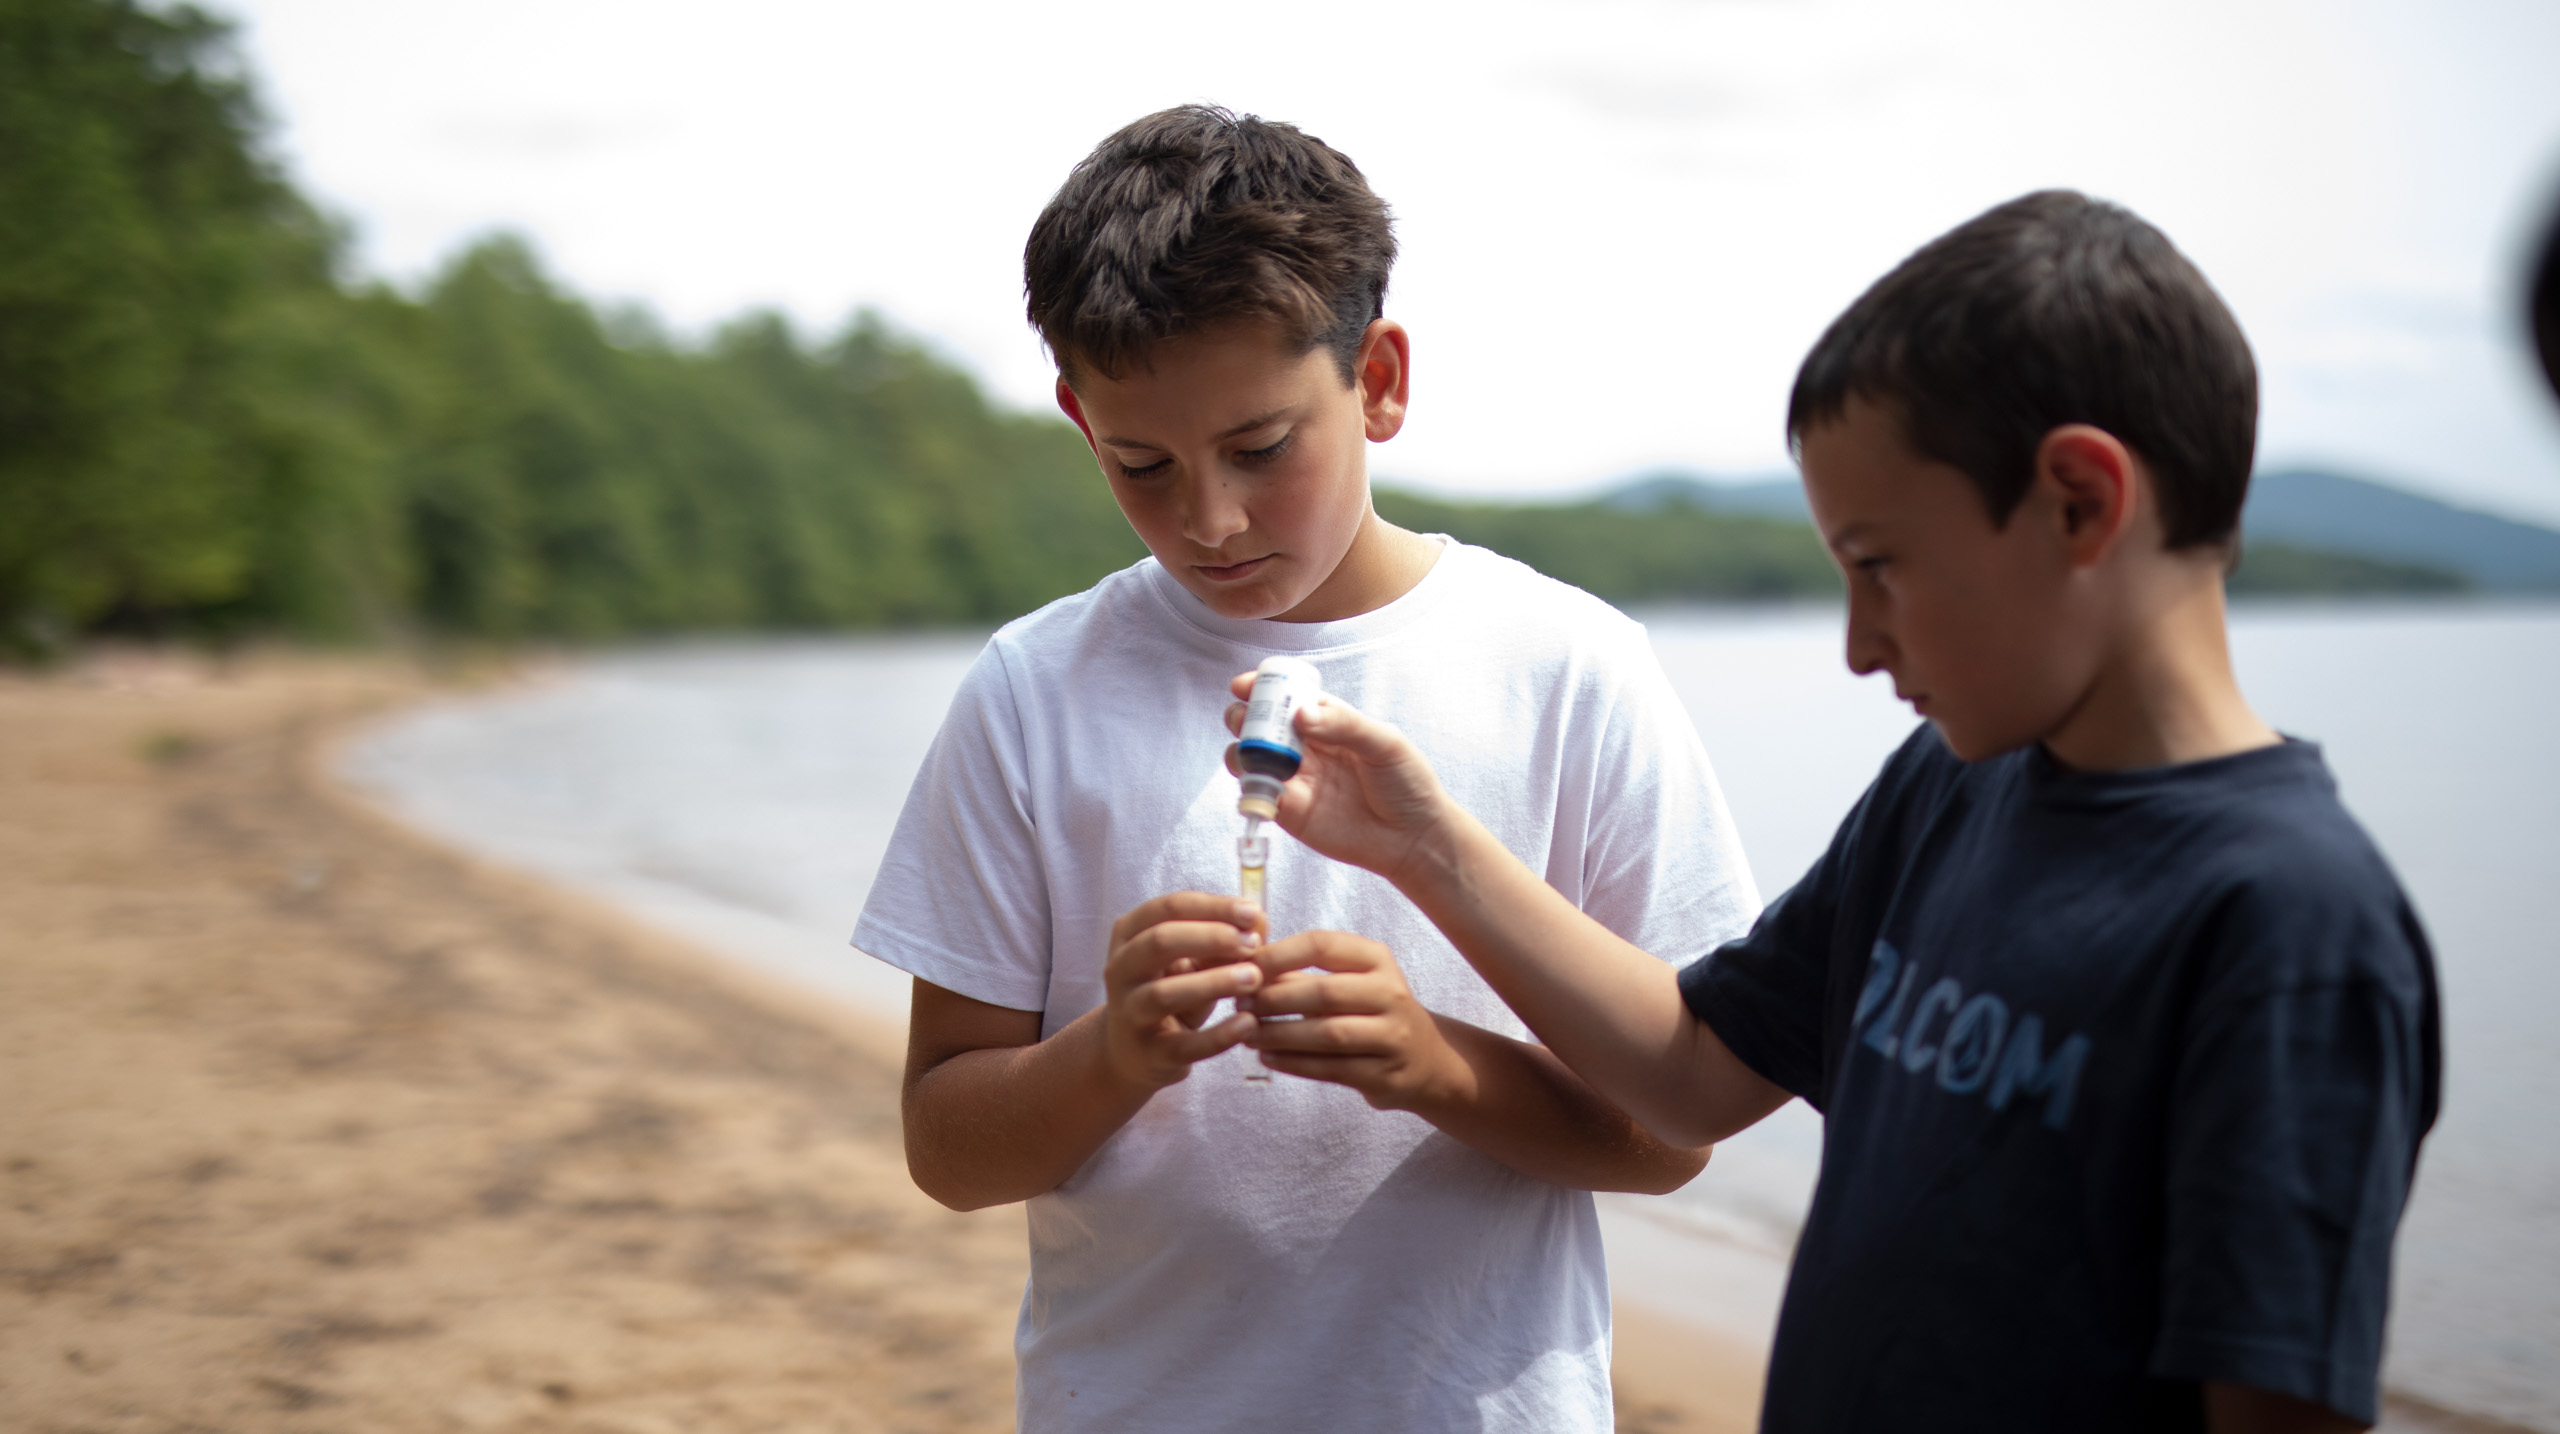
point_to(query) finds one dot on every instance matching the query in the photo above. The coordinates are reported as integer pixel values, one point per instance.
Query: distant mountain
(2298, 510)
(2286, 570)
(2308, 509)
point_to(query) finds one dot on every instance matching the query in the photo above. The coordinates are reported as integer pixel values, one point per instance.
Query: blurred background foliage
(210, 428)
(207, 428)
(1664, 552)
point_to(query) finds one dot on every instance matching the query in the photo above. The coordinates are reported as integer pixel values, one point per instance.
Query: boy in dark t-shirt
(2124, 1035)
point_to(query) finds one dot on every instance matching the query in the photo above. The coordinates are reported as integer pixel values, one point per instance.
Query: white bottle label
(1280, 687)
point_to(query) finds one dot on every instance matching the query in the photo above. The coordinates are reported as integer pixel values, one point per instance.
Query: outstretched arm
(2238, 1409)
(1611, 1012)
(1362, 1027)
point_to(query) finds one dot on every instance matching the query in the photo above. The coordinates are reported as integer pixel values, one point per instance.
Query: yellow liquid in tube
(1253, 853)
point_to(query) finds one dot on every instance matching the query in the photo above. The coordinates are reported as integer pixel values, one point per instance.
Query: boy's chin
(1243, 602)
(1969, 746)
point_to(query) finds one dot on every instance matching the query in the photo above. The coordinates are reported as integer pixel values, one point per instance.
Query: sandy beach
(314, 1125)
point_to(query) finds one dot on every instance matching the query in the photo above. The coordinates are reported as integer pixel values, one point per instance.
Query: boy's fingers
(1241, 685)
(1182, 906)
(1323, 950)
(1235, 719)
(1173, 995)
(1192, 1047)
(1354, 995)
(1336, 1036)
(1178, 906)
(1355, 1071)
(1337, 723)
(1152, 953)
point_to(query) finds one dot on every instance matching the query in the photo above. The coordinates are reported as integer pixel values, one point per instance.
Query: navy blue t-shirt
(2123, 1077)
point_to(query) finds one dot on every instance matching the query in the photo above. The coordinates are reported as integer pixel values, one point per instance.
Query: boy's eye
(1266, 455)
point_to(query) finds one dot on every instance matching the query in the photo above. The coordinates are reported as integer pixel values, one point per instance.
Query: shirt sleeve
(962, 897)
(2292, 1143)
(1661, 863)
(1783, 997)
(1763, 995)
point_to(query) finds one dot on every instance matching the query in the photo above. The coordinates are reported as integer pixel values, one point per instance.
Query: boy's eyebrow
(1247, 426)
(1251, 424)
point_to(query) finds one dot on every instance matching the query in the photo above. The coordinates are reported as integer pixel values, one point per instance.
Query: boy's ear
(1073, 408)
(1385, 374)
(2091, 482)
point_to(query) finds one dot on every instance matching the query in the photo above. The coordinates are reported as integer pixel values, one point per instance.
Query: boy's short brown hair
(2053, 308)
(1195, 216)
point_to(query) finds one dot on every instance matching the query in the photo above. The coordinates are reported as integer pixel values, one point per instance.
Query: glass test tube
(1253, 854)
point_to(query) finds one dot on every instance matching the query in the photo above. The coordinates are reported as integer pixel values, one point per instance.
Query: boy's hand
(1172, 959)
(1363, 795)
(1362, 1027)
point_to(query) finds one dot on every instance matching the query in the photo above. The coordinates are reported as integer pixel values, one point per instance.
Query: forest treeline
(209, 427)
(1667, 552)
(204, 425)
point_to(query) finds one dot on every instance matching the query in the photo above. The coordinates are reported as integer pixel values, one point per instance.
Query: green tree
(151, 266)
(202, 427)
(1674, 552)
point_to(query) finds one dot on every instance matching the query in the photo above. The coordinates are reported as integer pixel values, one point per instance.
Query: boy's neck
(2166, 694)
(1383, 563)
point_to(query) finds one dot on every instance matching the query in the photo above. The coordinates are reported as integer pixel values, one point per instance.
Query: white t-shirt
(1244, 1255)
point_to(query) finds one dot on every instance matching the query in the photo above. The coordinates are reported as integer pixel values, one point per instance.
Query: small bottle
(1268, 749)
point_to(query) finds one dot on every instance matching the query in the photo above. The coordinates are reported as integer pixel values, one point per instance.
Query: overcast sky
(1623, 223)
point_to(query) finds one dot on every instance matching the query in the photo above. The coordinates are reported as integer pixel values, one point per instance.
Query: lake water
(742, 794)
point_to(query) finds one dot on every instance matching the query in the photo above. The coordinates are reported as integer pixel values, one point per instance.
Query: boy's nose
(1217, 512)
(1868, 649)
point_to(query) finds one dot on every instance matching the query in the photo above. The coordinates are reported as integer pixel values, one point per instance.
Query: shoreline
(323, 1123)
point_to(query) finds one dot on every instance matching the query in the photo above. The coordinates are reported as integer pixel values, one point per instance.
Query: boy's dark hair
(2053, 308)
(1197, 215)
(2543, 308)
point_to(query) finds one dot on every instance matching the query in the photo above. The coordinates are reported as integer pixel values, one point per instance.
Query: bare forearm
(1613, 1013)
(2238, 1409)
(987, 1127)
(1519, 1104)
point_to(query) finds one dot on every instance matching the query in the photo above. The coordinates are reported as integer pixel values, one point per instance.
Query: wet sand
(313, 1125)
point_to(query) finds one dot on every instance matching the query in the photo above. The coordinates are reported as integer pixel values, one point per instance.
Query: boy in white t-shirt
(1395, 1234)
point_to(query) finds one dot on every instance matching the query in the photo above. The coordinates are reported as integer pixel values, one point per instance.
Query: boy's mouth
(1232, 572)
